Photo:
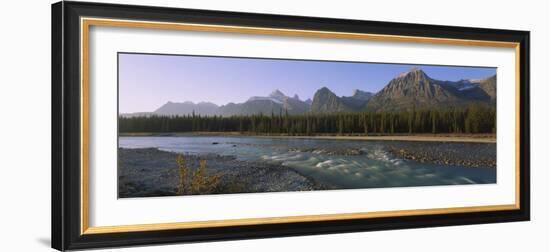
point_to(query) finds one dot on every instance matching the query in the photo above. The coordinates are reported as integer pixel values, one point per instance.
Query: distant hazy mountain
(278, 95)
(251, 107)
(295, 106)
(416, 89)
(187, 108)
(276, 102)
(358, 100)
(407, 90)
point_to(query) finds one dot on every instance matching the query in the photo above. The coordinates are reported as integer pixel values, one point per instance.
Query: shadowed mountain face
(412, 89)
(416, 89)
(489, 85)
(325, 101)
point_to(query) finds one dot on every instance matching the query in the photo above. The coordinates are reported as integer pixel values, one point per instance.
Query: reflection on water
(344, 163)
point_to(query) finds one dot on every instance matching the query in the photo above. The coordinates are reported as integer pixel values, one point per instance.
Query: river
(342, 163)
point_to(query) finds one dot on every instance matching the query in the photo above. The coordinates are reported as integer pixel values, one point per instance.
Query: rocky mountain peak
(412, 79)
(415, 88)
(324, 90)
(277, 94)
(413, 73)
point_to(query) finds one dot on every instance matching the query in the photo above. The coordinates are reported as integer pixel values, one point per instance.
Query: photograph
(202, 124)
(175, 123)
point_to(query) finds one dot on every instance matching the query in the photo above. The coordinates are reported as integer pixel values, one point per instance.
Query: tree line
(475, 118)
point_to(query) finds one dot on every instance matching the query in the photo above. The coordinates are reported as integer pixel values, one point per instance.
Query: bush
(199, 182)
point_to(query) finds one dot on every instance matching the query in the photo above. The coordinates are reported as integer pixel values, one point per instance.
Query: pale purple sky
(147, 81)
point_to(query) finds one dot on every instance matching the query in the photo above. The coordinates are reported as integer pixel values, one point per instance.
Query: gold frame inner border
(86, 23)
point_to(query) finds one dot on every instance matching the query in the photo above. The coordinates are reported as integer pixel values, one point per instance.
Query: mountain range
(416, 89)
(413, 88)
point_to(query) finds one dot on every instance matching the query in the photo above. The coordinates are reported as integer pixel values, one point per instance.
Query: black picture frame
(66, 114)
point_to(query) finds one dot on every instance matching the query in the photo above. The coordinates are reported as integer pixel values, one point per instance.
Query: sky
(147, 81)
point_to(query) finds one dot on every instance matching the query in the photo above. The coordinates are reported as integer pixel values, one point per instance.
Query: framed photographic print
(180, 125)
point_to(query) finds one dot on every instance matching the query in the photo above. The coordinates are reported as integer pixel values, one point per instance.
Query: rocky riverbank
(152, 172)
(474, 155)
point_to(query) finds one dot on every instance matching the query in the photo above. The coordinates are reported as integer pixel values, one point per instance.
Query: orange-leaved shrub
(199, 182)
